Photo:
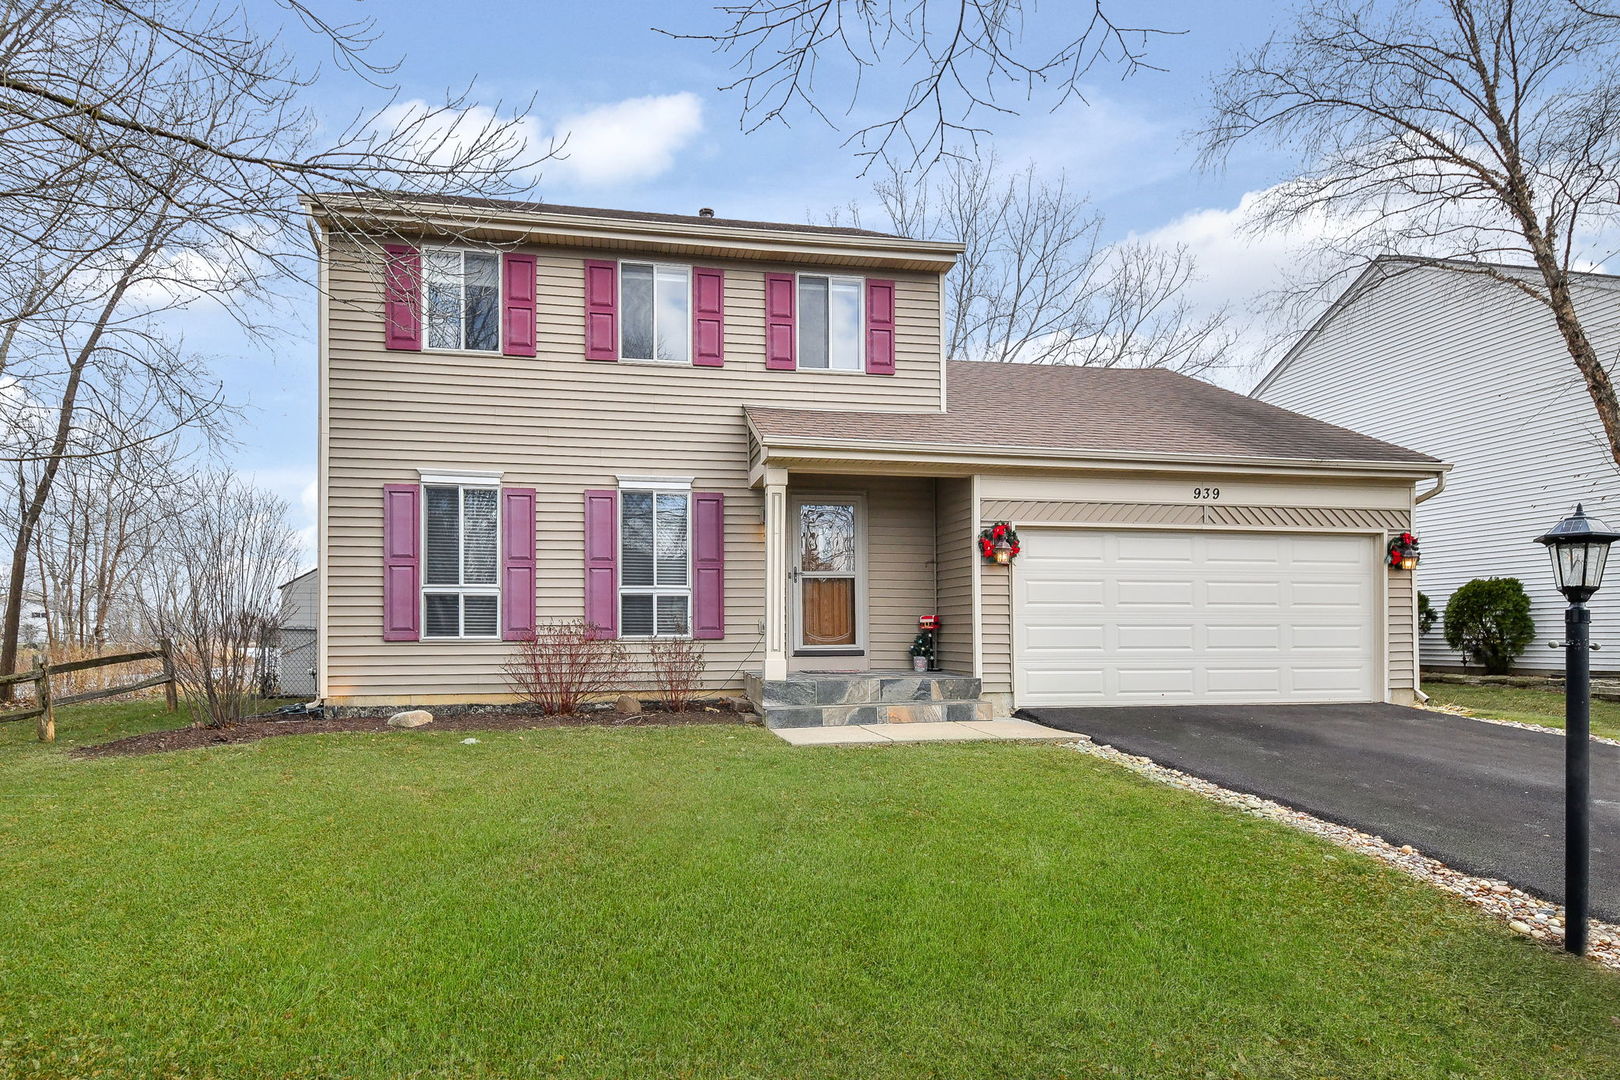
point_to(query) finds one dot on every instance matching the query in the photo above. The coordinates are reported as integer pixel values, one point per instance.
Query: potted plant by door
(922, 651)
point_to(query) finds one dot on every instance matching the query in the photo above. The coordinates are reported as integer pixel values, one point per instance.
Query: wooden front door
(827, 572)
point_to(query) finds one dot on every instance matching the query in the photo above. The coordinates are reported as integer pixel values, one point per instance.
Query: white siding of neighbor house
(1474, 372)
(562, 424)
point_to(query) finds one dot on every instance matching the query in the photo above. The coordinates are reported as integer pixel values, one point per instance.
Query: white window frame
(684, 268)
(462, 484)
(860, 322)
(655, 488)
(500, 302)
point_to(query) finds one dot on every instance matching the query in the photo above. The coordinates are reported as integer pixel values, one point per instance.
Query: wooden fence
(44, 709)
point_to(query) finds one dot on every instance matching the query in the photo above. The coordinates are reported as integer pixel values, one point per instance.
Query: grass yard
(1527, 706)
(709, 902)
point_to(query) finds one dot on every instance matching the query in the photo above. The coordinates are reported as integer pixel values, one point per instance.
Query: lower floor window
(655, 590)
(460, 587)
(459, 614)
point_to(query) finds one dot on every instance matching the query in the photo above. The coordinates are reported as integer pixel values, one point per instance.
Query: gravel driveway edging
(1525, 914)
(1467, 714)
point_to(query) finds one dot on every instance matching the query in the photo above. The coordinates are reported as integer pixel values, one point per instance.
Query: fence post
(42, 697)
(170, 697)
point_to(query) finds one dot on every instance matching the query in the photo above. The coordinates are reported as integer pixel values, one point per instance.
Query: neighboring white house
(298, 655)
(1474, 372)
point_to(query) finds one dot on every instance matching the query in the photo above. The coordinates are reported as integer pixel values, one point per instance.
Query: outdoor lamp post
(1579, 547)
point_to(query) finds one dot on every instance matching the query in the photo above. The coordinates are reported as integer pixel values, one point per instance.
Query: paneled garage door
(1123, 618)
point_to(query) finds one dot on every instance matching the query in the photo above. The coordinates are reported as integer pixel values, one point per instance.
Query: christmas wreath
(989, 538)
(1402, 548)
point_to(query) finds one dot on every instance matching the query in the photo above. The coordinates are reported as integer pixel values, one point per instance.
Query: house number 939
(1210, 493)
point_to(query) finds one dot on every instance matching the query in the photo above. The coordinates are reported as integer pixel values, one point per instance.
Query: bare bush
(677, 665)
(562, 664)
(212, 593)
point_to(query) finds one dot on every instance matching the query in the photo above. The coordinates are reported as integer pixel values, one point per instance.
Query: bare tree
(105, 518)
(162, 155)
(1478, 136)
(1037, 284)
(967, 62)
(212, 592)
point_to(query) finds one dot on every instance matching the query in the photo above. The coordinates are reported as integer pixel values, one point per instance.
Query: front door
(827, 577)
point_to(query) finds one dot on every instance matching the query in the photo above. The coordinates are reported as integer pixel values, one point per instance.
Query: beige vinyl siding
(995, 626)
(954, 530)
(562, 424)
(1376, 508)
(1400, 604)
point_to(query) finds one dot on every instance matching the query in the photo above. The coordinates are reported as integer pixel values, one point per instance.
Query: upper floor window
(460, 583)
(463, 299)
(830, 323)
(655, 312)
(655, 579)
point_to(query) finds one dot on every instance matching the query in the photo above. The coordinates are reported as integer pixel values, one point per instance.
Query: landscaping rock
(628, 705)
(1524, 914)
(411, 718)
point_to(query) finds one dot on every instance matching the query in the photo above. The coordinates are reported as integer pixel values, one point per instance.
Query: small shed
(298, 654)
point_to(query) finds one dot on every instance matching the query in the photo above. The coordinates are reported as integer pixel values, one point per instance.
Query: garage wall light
(1403, 552)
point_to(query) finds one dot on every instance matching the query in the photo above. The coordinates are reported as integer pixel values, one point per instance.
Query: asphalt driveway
(1480, 797)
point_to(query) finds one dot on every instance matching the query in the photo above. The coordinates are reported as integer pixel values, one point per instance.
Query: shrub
(562, 664)
(1488, 620)
(677, 665)
(1426, 613)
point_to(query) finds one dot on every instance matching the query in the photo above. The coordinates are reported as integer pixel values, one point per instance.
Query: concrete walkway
(955, 731)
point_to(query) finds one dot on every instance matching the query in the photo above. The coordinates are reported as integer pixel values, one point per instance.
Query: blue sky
(652, 132)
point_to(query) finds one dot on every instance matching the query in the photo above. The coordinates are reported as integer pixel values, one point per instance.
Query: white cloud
(1245, 271)
(635, 139)
(616, 143)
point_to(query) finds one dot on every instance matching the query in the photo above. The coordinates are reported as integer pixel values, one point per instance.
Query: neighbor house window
(460, 590)
(655, 580)
(830, 322)
(463, 299)
(655, 306)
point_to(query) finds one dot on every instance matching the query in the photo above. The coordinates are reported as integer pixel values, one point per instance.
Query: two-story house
(748, 433)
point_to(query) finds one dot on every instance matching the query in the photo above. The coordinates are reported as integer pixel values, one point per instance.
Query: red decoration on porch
(999, 543)
(1403, 552)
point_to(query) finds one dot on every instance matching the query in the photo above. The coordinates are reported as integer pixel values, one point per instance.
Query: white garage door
(1125, 618)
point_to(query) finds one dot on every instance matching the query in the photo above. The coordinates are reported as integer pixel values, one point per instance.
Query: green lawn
(709, 902)
(1527, 706)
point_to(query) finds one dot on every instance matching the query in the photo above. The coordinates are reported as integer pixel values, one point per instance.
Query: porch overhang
(893, 457)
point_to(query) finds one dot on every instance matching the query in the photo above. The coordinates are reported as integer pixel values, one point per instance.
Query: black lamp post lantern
(1579, 547)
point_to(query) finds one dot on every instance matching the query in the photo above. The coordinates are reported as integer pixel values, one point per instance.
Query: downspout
(1423, 699)
(1439, 486)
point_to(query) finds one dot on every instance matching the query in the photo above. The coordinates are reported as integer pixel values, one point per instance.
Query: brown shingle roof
(636, 215)
(1085, 409)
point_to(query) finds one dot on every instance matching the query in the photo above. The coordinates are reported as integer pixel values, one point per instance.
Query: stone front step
(812, 699)
(929, 712)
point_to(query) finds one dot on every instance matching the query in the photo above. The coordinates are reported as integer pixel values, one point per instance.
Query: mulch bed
(189, 738)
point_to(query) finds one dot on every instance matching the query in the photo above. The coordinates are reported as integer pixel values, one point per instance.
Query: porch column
(776, 569)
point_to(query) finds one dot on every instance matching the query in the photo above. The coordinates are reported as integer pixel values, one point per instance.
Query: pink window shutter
(879, 327)
(402, 575)
(708, 317)
(602, 563)
(779, 305)
(708, 565)
(517, 564)
(402, 297)
(601, 310)
(518, 308)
